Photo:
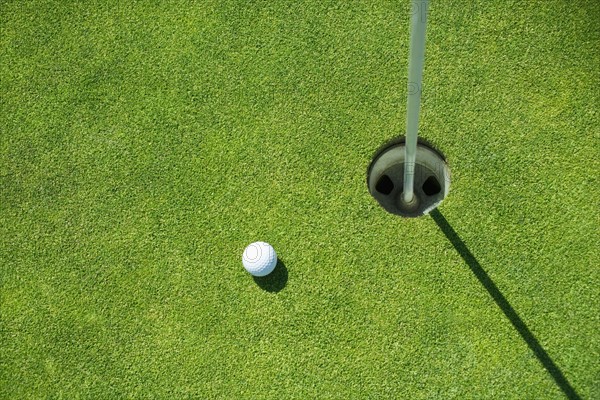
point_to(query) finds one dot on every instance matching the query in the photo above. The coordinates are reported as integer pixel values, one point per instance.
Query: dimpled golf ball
(259, 259)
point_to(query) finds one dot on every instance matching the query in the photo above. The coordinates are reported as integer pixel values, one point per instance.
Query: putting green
(144, 145)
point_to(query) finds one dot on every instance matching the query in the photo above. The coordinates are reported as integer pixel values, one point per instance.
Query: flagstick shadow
(505, 306)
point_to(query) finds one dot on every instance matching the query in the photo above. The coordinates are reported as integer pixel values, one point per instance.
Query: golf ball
(259, 258)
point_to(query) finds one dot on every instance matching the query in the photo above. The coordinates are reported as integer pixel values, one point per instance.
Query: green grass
(144, 144)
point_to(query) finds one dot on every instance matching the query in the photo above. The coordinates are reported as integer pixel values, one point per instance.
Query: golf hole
(385, 178)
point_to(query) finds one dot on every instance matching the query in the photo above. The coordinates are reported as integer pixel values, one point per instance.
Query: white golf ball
(259, 259)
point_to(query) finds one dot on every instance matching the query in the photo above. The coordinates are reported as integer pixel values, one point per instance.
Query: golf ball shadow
(276, 280)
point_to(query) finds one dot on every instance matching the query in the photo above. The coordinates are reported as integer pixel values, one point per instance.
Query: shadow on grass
(505, 306)
(276, 280)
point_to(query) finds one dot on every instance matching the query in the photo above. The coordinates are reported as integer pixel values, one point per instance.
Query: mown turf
(145, 144)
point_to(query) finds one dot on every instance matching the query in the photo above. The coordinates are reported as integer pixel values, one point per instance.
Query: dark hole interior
(384, 185)
(431, 186)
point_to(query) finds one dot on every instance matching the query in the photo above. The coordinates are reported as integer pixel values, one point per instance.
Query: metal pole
(413, 104)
